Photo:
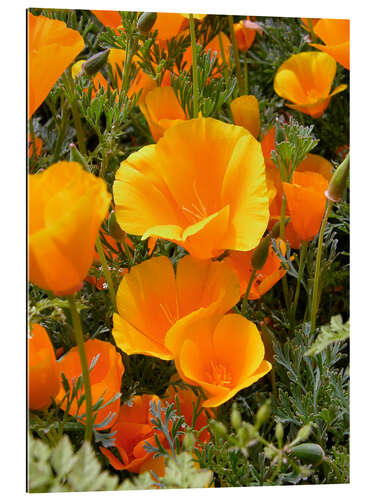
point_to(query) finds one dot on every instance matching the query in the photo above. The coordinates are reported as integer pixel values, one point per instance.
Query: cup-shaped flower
(66, 208)
(51, 48)
(245, 32)
(161, 110)
(245, 111)
(105, 380)
(305, 79)
(109, 18)
(335, 33)
(44, 376)
(306, 203)
(201, 186)
(150, 299)
(221, 354)
(168, 25)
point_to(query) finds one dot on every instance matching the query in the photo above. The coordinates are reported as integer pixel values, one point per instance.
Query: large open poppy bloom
(66, 207)
(44, 376)
(201, 186)
(245, 111)
(221, 354)
(52, 47)
(335, 33)
(305, 79)
(150, 299)
(105, 379)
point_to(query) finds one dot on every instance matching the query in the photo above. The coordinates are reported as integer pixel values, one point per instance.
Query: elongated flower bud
(275, 231)
(114, 229)
(146, 22)
(263, 414)
(260, 254)
(279, 432)
(95, 63)
(218, 428)
(304, 433)
(337, 184)
(308, 453)
(75, 155)
(235, 417)
(189, 441)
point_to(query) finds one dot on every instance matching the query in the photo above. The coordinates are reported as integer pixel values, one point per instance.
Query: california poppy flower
(105, 379)
(306, 202)
(109, 18)
(150, 299)
(66, 207)
(335, 34)
(51, 48)
(205, 210)
(245, 32)
(168, 25)
(245, 111)
(221, 354)
(306, 22)
(44, 376)
(305, 79)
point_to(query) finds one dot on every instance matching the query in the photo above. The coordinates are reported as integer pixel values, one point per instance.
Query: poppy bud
(235, 417)
(146, 22)
(308, 453)
(114, 229)
(189, 441)
(260, 254)
(75, 155)
(218, 428)
(337, 184)
(243, 437)
(279, 433)
(304, 433)
(263, 414)
(95, 63)
(275, 231)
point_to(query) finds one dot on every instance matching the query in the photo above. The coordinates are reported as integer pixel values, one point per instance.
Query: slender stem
(194, 65)
(314, 304)
(69, 86)
(84, 365)
(246, 295)
(299, 278)
(245, 85)
(235, 53)
(226, 70)
(125, 81)
(284, 280)
(106, 271)
(127, 252)
(62, 134)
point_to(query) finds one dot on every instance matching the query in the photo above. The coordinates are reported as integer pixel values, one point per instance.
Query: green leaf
(181, 473)
(63, 459)
(336, 331)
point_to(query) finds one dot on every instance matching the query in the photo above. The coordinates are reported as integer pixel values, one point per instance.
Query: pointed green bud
(75, 155)
(268, 338)
(275, 231)
(279, 433)
(218, 428)
(263, 414)
(114, 229)
(308, 453)
(189, 441)
(260, 254)
(337, 184)
(304, 433)
(235, 417)
(95, 63)
(146, 22)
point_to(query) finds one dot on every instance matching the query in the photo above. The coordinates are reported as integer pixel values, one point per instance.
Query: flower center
(197, 210)
(218, 374)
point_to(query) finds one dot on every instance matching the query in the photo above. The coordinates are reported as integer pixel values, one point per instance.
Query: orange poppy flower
(161, 110)
(245, 111)
(168, 26)
(305, 79)
(105, 379)
(205, 210)
(150, 299)
(306, 22)
(335, 33)
(265, 278)
(38, 146)
(109, 18)
(51, 48)
(66, 207)
(44, 377)
(222, 354)
(306, 202)
(245, 32)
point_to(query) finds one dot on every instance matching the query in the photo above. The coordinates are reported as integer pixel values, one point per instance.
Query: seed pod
(337, 184)
(260, 254)
(235, 417)
(218, 428)
(279, 432)
(304, 433)
(95, 63)
(189, 441)
(146, 22)
(308, 453)
(114, 229)
(263, 414)
(75, 155)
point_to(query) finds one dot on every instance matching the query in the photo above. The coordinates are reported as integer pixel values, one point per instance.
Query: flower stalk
(106, 271)
(194, 65)
(299, 279)
(245, 298)
(235, 53)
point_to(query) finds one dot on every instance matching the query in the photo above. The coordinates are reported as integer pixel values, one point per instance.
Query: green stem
(106, 271)
(194, 65)
(226, 68)
(245, 85)
(235, 53)
(246, 295)
(299, 278)
(284, 280)
(314, 304)
(62, 134)
(84, 365)
(125, 81)
(69, 86)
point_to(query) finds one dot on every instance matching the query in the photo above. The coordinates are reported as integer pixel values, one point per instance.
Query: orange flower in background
(161, 110)
(105, 379)
(335, 33)
(306, 202)
(51, 48)
(38, 146)
(43, 374)
(265, 278)
(245, 111)
(109, 18)
(150, 299)
(245, 32)
(167, 191)
(306, 22)
(305, 79)
(66, 207)
(221, 354)
(168, 26)
(214, 46)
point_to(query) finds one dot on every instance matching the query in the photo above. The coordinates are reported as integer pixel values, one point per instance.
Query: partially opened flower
(43, 374)
(305, 79)
(335, 33)
(51, 48)
(245, 32)
(161, 110)
(221, 354)
(201, 186)
(66, 207)
(109, 18)
(105, 380)
(150, 299)
(245, 111)
(306, 202)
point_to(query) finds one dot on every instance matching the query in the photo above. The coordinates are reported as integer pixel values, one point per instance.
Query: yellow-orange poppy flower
(150, 299)
(265, 278)
(66, 207)
(201, 186)
(306, 202)
(221, 354)
(109, 18)
(44, 376)
(245, 111)
(105, 379)
(168, 26)
(305, 79)
(335, 33)
(161, 110)
(51, 48)
(245, 32)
